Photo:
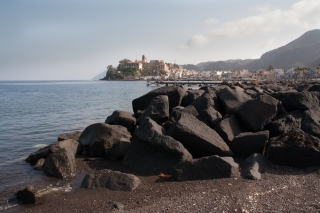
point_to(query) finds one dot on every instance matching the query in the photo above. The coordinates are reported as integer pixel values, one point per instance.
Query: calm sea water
(34, 113)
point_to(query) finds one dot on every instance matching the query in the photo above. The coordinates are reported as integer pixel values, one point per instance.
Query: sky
(78, 39)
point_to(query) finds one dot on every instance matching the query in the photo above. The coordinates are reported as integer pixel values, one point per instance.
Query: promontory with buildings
(299, 59)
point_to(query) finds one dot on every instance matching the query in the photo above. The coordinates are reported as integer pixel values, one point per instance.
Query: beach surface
(280, 189)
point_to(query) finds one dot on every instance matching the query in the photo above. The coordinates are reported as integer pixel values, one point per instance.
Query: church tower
(144, 59)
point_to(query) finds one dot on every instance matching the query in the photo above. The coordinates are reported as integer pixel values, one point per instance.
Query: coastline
(281, 189)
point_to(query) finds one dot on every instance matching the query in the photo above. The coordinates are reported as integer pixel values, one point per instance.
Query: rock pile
(195, 134)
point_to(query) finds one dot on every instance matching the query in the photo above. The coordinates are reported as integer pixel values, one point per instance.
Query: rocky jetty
(197, 134)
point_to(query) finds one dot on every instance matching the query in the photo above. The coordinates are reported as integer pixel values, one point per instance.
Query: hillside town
(158, 69)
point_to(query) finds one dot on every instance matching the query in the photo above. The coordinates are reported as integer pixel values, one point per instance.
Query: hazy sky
(78, 39)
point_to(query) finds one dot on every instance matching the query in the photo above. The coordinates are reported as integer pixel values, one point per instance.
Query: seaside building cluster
(158, 69)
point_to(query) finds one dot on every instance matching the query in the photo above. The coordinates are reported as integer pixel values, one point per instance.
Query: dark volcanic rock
(152, 151)
(158, 110)
(122, 118)
(283, 125)
(248, 143)
(72, 135)
(253, 166)
(198, 138)
(37, 194)
(301, 100)
(191, 95)
(295, 148)
(311, 123)
(175, 95)
(41, 153)
(112, 180)
(257, 113)
(232, 99)
(39, 164)
(210, 167)
(70, 145)
(60, 164)
(315, 87)
(118, 149)
(211, 116)
(100, 137)
(229, 127)
(206, 100)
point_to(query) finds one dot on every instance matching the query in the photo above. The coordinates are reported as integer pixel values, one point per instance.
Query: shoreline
(281, 188)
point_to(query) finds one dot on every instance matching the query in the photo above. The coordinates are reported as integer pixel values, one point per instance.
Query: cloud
(302, 14)
(211, 21)
(268, 43)
(195, 41)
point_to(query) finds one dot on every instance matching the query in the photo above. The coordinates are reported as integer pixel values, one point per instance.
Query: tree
(270, 68)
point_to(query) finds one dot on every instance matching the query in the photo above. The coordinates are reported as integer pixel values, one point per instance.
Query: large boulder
(211, 167)
(72, 135)
(158, 110)
(152, 151)
(295, 148)
(283, 125)
(191, 96)
(248, 143)
(122, 118)
(254, 166)
(41, 153)
(198, 138)
(208, 99)
(232, 98)
(211, 116)
(175, 96)
(301, 100)
(257, 113)
(100, 137)
(37, 194)
(70, 145)
(311, 123)
(60, 164)
(112, 180)
(118, 149)
(229, 127)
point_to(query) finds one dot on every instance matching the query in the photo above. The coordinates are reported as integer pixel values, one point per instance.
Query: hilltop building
(143, 64)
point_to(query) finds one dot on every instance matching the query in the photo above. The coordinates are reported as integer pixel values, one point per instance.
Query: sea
(34, 113)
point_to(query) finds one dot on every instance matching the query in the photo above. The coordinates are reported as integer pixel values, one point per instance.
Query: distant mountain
(191, 67)
(231, 65)
(99, 76)
(303, 51)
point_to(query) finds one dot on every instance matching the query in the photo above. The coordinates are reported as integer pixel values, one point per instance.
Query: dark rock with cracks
(311, 123)
(152, 151)
(232, 98)
(283, 125)
(37, 194)
(301, 100)
(118, 149)
(72, 135)
(210, 167)
(100, 137)
(256, 113)
(70, 145)
(248, 143)
(112, 180)
(253, 166)
(229, 128)
(41, 153)
(295, 148)
(211, 116)
(158, 110)
(198, 138)
(175, 96)
(122, 118)
(60, 164)
(191, 96)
